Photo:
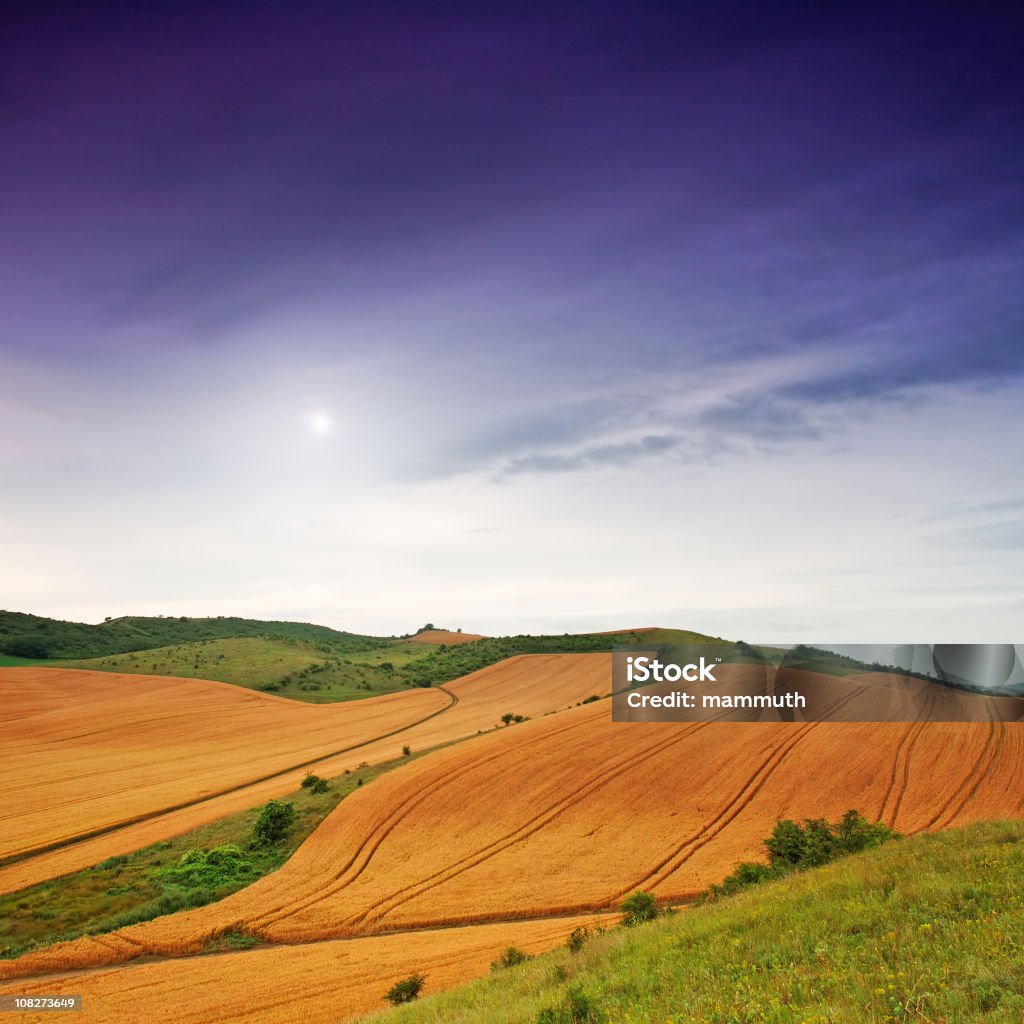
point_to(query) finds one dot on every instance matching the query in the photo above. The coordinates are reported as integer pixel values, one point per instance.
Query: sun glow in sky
(320, 423)
(518, 320)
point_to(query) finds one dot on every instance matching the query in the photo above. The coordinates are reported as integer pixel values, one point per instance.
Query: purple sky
(538, 317)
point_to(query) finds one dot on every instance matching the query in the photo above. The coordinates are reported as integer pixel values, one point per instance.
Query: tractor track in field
(902, 772)
(899, 777)
(378, 911)
(383, 827)
(755, 782)
(146, 956)
(972, 781)
(82, 837)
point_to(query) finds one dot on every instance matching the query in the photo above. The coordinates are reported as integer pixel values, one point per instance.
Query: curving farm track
(526, 827)
(100, 764)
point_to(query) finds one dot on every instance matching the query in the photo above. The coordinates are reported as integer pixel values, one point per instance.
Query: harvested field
(571, 812)
(326, 982)
(90, 751)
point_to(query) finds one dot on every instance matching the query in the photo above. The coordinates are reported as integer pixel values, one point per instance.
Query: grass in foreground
(928, 929)
(152, 882)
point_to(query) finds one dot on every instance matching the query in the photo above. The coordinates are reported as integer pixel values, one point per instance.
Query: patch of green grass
(323, 672)
(318, 673)
(166, 876)
(8, 660)
(930, 928)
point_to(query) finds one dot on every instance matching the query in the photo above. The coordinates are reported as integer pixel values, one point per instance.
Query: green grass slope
(319, 672)
(295, 659)
(34, 636)
(928, 929)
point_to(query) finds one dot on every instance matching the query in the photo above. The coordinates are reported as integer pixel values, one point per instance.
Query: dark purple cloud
(674, 181)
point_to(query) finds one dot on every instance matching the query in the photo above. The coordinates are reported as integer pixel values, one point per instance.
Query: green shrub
(211, 869)
(578, 938)
(275, 821)
(510, 958)
(406, 990)
(817, 841)
(638, 908)
(794, 847)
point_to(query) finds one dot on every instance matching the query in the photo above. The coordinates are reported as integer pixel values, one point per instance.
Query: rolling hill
(314, 672)
(101, 764)
(926, 929)
(34, 636)
(457, 838)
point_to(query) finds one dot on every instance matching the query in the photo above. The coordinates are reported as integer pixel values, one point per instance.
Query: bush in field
(275, 821)
(510, 958)
(793, 846)
(638, 908)
(577, 939)
(818, 841)
(213, 869)
(406, 990)
(315, 784)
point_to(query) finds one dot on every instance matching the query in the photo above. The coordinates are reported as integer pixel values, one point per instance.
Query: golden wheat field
(100, 764)
(567, 813)
(87, 751)
(514, 836)
(326, 981)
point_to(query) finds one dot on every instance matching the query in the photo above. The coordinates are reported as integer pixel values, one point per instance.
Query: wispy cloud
(594, 456)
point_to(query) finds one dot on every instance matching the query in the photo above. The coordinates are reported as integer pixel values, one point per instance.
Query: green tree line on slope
(34, 636)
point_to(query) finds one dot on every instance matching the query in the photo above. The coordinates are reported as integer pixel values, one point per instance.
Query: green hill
(296, 659)
(924, 929)
(446, 663)
(319, 672)
(33, 636)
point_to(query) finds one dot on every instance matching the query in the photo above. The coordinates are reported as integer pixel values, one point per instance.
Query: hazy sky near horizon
(533, 317)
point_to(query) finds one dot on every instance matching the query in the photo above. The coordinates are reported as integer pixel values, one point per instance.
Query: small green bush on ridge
(796, 847)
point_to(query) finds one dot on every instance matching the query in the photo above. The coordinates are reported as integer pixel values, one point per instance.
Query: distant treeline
(34, 636)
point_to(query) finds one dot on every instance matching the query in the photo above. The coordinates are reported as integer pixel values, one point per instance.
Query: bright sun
(319, 423)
